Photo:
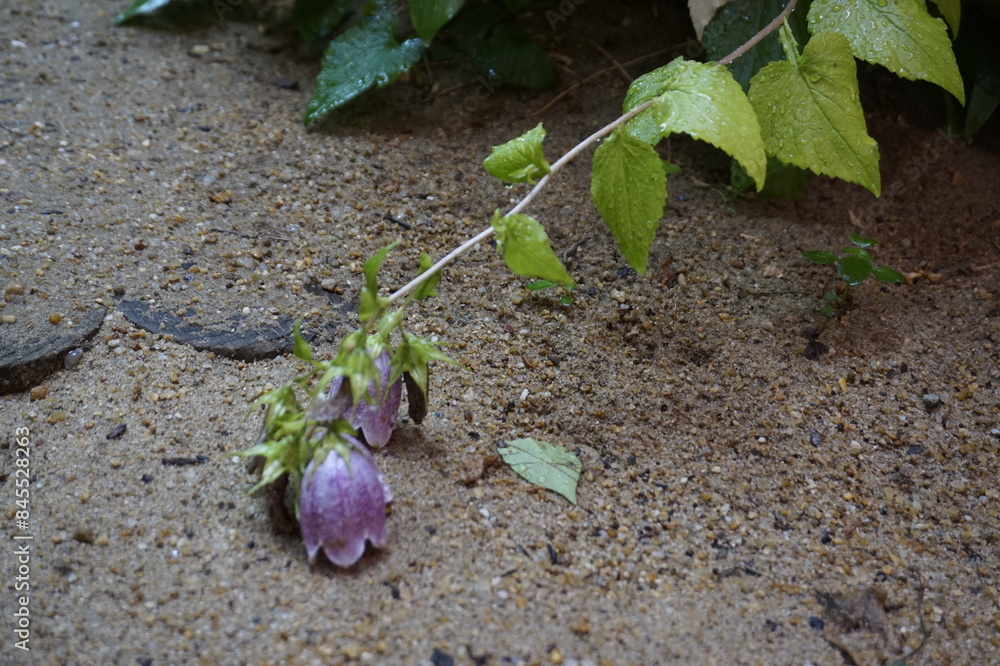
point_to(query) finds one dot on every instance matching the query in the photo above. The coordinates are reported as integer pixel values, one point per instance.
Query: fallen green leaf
(547, 465)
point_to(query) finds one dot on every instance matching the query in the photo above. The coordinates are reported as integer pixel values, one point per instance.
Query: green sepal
(426, 289)
(300, 348)
(370, 302)
(412, 356)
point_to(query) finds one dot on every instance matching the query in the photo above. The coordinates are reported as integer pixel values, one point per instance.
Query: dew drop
(73, 358)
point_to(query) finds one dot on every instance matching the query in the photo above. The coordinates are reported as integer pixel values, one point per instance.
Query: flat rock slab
(236, 340)
(25, 362)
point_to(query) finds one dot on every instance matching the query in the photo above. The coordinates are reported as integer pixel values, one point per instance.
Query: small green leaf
(299, 346)
(426, 290)
(854, 270)
(811, 116)
(519, 160)
(855, 251)
(364, 56)
(828, 311)
(629, 188)
(886, 274)
(316, 19)
(704, 101)
(540, 284)
(861, 241)
(820, 256)
(669, 168)
(428, 16)
(370, 301)
(899, 35)
(547, 465)
(525, 247)
(511, 57)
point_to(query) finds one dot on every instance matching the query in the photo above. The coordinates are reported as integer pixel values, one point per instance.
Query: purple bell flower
(376, 423)
(342, 505)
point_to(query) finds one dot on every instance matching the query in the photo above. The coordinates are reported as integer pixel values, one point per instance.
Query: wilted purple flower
(376, 423)
(342, 505)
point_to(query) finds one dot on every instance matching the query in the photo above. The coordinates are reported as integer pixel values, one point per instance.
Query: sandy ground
(742, 502)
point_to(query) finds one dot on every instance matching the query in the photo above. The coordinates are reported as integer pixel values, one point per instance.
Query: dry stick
(618, 66)
(562, 161)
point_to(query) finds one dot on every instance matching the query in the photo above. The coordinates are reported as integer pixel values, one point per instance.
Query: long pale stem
(569, 156)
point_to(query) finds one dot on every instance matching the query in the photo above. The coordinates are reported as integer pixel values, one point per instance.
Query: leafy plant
(854, 263)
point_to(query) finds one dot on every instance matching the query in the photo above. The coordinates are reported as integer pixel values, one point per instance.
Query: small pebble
(38, 392)
(55, 318)
(199, 50)
(329, 284)
(73, 358)
(15, 289)
(8, 319)
(931, 400)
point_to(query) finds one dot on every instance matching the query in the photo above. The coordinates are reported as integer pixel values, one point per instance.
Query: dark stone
(237, 341)
(26, 362)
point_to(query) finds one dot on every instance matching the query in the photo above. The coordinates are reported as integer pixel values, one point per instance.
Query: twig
(565, 159)
(618, 66)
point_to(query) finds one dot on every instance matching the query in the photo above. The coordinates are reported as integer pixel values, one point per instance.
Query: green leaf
(525, 247)
(854, 251)
(951, 11)
(704, 101)
(426, 290)
(899, 35)
(511, 57)
(861, 241)
(540, 284)
(370, 301)
(820, 256)
(316, 19)
(412, 357)
(364, 56)
(783, 180)
(669, 168)
(428, 16)
(736, 22)
(886, 274)
(299, 346)
(811, 115)
(629, 188)
(519, 160)
(547, 465)
(854, 270)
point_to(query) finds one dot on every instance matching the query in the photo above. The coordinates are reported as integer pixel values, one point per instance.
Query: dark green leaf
(856, 252)
(428, 16)
(525, 247)
(854, 270)
(629, 189)
(547, 465)
(736, 22)
(820, 256)
(669, 168)
(519, 160)
(316, 19)
(828, 311)
(886, 274)
(783, 180)
(364, 56)
(510, 57)
(168, 13)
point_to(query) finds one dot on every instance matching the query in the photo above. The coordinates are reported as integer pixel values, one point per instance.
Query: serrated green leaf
(861, 241)
(820, 256)
(316, 19)
(951, 12)
(428, 16)
(704, 101)
(886, 274)
(426, 290)
(364, 56)
(899, 35)
(811, 116)
(854, 270)
(547, 465)
(525, 247)
(509, 56)
(300, 348)
(519, 160)
(736, 22)
(629, 188)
